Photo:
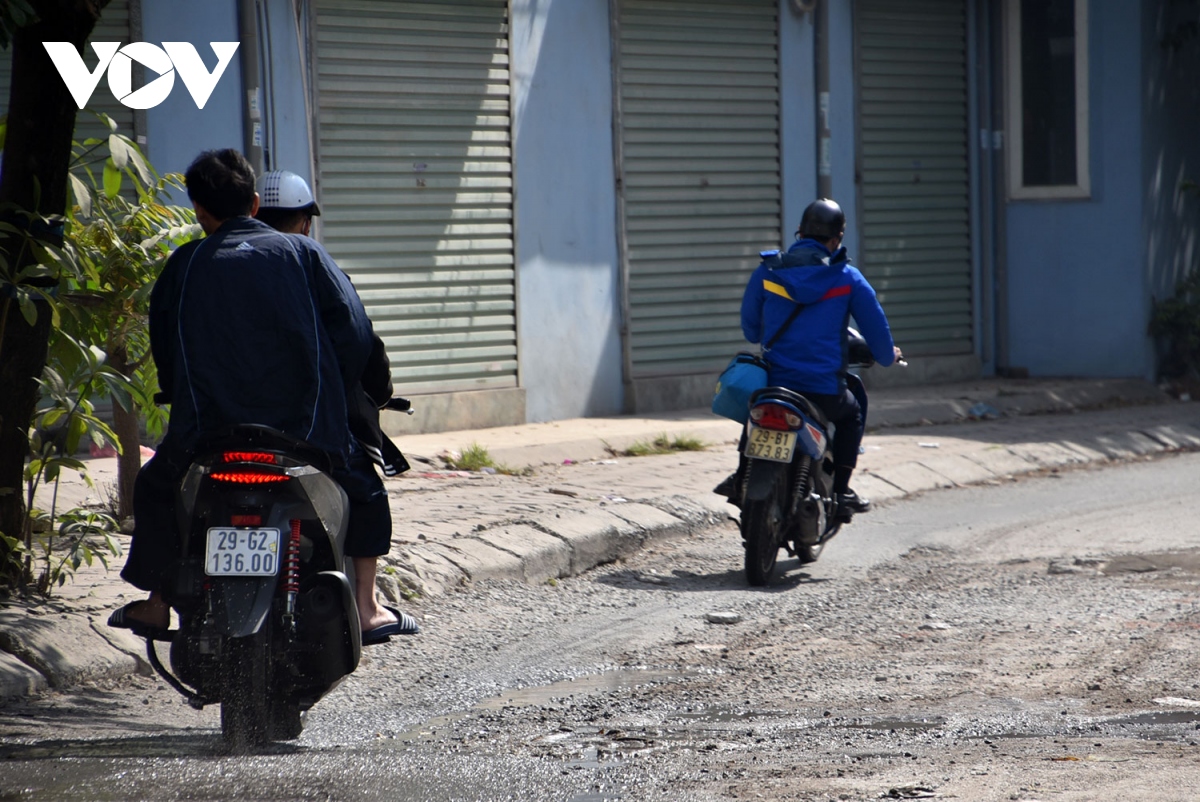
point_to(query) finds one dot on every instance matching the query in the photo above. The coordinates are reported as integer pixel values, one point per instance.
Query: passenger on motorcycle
(246, 326)
(286, 204)
(810, 357)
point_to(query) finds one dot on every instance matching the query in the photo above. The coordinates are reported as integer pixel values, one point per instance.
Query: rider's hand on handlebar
(900, 360)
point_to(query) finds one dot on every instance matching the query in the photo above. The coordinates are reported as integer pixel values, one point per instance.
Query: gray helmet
(823, 219)
(283, 189)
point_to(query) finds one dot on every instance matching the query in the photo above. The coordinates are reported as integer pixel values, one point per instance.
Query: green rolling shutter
(699, 140)
(415, 181)
(914, 202)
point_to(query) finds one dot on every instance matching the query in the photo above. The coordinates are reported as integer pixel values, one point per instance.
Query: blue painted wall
(1171, 151)
(842, 114)
(176, 131)
(1077, 294)
(798, 115)
(568, 299)
(798, 128)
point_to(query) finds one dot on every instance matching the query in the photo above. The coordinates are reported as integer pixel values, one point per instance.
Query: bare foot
(152, 612)
(374, 617)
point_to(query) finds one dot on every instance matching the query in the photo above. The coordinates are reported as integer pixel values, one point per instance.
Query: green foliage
(14, 14)
(659, 445)
(65, 417)
(1176, 321)
(83, 537)
(476, 458)
(118, 232)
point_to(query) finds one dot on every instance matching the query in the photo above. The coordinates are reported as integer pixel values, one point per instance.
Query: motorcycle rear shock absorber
(291, 573)
(800, 486)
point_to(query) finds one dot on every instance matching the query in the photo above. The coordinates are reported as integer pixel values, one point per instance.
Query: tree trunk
(33, 176)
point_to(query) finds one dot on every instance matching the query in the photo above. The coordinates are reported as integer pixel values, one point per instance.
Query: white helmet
(283, 189)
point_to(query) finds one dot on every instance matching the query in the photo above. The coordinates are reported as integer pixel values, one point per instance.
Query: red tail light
(249, 477)
(773, 416)
(245, 520)
(249, 456)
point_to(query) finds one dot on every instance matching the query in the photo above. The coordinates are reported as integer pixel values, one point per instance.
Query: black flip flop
(120, 620)
(404, 624)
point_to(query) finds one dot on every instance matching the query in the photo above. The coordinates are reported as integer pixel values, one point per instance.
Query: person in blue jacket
(810, 356)
(247, 325)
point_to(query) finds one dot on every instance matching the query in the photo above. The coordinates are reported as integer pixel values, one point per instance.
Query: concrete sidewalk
(581, 503)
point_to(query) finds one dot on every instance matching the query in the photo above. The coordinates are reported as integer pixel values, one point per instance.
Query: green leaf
(112, 179)
(76, 429)
(119, 151)
(136, 159)
(118, 388)
(96, 357)
(83, 196)
(28, 308)
(72, 463)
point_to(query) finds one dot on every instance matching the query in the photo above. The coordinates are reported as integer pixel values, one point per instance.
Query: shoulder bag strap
(779, 332)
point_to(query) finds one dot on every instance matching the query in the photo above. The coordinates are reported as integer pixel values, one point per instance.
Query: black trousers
(156, 543)
(845, 413)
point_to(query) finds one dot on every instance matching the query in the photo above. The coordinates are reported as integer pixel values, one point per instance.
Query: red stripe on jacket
(836, 292)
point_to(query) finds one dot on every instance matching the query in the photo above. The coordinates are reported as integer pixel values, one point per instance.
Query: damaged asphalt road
(1027, 641)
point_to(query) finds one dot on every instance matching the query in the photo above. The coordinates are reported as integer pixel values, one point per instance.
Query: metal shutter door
(914, 201)
(415, 178)
(699, 110)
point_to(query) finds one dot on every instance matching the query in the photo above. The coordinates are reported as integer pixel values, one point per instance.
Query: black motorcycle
(786, 491)
(268, 621)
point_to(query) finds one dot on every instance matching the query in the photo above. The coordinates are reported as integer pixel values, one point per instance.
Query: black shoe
(849, 504)
(728, 487)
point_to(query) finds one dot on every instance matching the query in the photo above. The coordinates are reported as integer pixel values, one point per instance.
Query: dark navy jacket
(811, 354)
(249, 325)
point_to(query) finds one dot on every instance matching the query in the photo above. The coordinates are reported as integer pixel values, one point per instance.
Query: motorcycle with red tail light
(786, 493)
(267, 617)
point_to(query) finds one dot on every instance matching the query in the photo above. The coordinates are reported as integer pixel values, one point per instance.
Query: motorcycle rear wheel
(286, 721)
(245, 705)
(762, 526)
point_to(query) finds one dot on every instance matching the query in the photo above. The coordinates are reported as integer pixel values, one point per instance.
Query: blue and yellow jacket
(811, 355)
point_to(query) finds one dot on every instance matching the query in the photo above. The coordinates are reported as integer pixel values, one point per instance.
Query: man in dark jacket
(810, 355)
(247, 325)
